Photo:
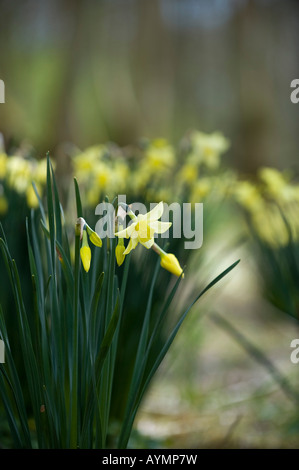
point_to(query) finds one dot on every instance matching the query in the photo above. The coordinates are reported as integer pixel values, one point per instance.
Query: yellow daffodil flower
(93, 236)
(171, 264)
(120, 249)
(119, 253)
(143, 228)
(85, 252)
(31, 197)
(159, 155)
(247, 195)
(168, 261)
(207, 148)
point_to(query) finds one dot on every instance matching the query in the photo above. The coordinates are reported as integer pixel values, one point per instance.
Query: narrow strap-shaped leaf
(3, 233)
(156, 330)
(41, 207)
(140, 361)
(30, 359)
(127, 430)
(66, 267)
(107, 376)
(58, 211)
(51, 216)
(18, 443)
(78, 199)
(15, 385)
(36, 249)
(73, 425)
(92, 399)
(94, 310)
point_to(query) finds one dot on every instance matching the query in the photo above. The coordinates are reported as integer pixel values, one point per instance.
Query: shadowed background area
(89, 72)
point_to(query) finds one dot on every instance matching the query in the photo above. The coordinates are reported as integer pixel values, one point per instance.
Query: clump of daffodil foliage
(270, 204)
(60, 386)
(270, 201)
(17, 172)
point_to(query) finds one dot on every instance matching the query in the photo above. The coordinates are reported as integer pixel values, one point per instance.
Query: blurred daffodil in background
(17, 173)
(206, 149)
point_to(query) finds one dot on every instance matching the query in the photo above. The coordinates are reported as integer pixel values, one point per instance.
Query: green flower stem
(74, 392)
(158, 250)
(128, 210)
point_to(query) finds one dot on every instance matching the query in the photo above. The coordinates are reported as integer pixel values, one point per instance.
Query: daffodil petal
(127, 232)
(132, 244)
(171, 264)
(134, 234)
(146, 232)
(119, 254)
(156, 212)
(148, 243)
(160, 227)
(85, 254)
(95, 239)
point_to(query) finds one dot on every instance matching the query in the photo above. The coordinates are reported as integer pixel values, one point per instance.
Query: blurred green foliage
(89, 72)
